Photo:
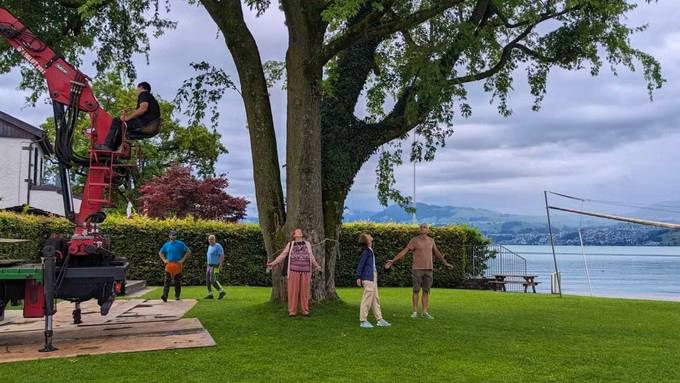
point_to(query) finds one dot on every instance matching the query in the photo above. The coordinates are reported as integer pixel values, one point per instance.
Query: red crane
(80, 267)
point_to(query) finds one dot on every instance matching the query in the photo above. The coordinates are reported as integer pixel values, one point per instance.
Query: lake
(646, 272)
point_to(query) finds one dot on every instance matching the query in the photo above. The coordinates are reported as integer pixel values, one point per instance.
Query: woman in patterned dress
(300, 264)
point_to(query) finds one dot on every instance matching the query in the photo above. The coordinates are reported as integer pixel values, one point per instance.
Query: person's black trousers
(113, 139)
(178, 284)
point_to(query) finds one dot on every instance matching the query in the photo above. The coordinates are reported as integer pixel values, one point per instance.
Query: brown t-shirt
(422, 249)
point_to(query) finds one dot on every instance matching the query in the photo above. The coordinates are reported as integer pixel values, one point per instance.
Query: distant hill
(529, 229)
(448, 215)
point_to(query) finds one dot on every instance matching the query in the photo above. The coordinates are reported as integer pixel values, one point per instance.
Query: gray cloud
(599, 137)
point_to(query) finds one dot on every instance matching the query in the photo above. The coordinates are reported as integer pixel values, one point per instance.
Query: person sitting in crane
(147, 112)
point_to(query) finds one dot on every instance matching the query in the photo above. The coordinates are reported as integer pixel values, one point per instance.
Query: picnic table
(500, 280)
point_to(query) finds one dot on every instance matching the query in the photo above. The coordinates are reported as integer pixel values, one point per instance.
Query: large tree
(412, 58)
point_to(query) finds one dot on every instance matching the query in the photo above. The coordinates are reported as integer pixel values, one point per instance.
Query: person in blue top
(173, 254)
(367, 276)
(215, 264)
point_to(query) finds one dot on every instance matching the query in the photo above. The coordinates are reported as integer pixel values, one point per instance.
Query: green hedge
(34, 228)
(139, 239)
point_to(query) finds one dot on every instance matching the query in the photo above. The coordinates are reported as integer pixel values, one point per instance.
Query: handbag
(284, 270)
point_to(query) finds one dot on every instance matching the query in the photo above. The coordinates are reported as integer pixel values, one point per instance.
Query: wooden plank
(156, 310)
(122, 311)
(182, 326)
(107, 345)
(94, 317)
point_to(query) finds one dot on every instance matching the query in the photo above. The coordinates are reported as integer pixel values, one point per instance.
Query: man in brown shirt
(423, 247)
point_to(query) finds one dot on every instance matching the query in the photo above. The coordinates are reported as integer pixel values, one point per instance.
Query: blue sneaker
(366, 324)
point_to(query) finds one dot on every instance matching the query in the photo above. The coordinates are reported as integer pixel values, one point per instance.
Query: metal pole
(49, 271)
(552, 242)
(415, 220)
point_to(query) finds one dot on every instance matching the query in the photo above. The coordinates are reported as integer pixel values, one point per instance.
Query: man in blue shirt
(173, 254)
(215, 264)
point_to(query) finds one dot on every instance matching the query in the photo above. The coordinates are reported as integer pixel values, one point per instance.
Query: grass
(476, 336)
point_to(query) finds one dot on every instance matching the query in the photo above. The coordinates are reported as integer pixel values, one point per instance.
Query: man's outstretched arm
(398, 257)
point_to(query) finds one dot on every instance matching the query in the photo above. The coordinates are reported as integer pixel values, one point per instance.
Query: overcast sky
(595, 137)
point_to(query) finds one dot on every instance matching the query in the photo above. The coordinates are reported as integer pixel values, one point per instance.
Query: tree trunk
(334, 203)
(303, 146)
(266, 170)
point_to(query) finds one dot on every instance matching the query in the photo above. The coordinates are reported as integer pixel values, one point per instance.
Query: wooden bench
(500, 280)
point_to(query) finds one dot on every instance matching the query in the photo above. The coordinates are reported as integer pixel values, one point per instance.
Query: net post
(552, 242)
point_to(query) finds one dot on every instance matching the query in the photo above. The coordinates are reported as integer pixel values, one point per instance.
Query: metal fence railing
(486, 261)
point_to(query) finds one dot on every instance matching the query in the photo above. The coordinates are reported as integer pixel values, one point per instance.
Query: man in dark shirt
(146, 112)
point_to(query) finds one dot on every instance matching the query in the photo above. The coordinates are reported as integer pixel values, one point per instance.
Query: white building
(23, 149)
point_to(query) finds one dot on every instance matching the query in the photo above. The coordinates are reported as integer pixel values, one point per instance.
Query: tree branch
(537, 55)
(395, 125)
(371, 29)
(543, 16)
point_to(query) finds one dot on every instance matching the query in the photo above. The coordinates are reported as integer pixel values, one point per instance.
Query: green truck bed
(21, 272)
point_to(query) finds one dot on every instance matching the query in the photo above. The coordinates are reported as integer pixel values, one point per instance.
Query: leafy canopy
(422, 56)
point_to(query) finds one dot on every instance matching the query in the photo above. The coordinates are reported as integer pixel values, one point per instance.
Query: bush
(139, 240)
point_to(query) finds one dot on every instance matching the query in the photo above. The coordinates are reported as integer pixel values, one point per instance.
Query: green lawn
(476, 336)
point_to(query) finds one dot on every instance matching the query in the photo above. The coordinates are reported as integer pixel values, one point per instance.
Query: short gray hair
(211, 236)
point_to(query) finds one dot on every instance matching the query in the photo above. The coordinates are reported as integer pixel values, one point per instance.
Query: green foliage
(203, 92)
(385, 183)
(274, 71)
(427, 65)
(116, 30)
(139, 239)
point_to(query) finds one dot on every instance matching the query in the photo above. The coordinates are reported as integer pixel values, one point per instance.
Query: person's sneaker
(222, 294)
(427, 316)
(177, 299)
(383, 323)
(209, 296)
(414, 315)
(164, 298)
(366, 324)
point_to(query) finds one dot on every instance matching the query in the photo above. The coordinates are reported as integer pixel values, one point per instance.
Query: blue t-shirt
(174, 251)
(214, 253)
